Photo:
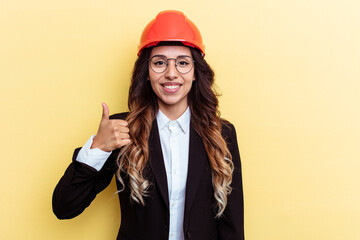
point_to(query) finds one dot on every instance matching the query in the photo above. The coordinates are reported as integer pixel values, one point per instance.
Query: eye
(159, 63)
(183, 63)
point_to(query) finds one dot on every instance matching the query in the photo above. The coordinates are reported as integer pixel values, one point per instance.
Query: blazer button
(188, 234)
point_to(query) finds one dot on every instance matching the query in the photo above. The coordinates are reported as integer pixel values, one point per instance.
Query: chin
(172, 102)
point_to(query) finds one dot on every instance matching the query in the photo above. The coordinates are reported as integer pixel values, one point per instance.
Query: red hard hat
(171, 25)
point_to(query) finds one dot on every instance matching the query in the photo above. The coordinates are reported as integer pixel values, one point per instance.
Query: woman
(177, 163)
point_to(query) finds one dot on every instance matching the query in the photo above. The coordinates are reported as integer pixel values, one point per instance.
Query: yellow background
(289, 72)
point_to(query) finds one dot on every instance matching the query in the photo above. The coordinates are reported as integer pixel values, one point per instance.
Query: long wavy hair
(205, 118)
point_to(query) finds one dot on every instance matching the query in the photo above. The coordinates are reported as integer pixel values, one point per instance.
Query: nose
(171, 71)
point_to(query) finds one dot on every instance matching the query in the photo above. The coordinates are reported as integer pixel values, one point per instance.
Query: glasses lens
(158, 64)
(184, 64)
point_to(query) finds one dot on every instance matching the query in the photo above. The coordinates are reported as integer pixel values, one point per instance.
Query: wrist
(95, 144)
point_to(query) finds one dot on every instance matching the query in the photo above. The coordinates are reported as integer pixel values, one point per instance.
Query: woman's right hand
(112, 133)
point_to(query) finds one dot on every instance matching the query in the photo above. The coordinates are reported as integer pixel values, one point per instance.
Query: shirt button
(188, 234)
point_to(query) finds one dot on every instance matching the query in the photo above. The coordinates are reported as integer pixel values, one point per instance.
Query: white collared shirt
(174, 138)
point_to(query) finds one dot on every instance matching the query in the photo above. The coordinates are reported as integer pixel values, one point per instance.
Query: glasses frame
(167, 63)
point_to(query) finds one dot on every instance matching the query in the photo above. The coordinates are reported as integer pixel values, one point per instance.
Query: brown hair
(205, 118)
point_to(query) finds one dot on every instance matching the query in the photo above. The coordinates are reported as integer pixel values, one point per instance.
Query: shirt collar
(183, 120)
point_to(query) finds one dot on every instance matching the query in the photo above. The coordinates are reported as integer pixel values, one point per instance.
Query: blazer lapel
(156, 161)
(197, 160)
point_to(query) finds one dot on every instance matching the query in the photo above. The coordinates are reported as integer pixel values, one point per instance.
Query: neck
(172, 112)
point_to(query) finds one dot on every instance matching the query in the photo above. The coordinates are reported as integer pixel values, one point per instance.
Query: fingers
(120, 122)
(118, 125)
(123, 142)
(105, 113)
(121, 139)
(124, 129)
(121, 133)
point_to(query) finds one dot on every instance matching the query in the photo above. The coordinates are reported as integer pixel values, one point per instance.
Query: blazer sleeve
(81, 183)
(231, 224)
(79, 186)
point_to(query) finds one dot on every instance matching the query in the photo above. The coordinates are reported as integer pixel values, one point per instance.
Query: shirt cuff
(95, 157)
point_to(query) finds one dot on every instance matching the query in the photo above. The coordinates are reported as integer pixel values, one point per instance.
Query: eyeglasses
(183, 64)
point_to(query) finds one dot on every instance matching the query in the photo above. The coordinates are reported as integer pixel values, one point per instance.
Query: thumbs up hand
(112, 133)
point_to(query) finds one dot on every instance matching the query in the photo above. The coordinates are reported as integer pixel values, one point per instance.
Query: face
(171, 87)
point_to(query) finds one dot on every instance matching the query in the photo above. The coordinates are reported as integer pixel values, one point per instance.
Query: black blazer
(81, 183)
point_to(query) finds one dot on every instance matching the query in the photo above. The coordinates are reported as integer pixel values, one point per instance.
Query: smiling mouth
(171, 88)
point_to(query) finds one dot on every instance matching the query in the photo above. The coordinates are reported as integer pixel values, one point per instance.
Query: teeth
(171, 86)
